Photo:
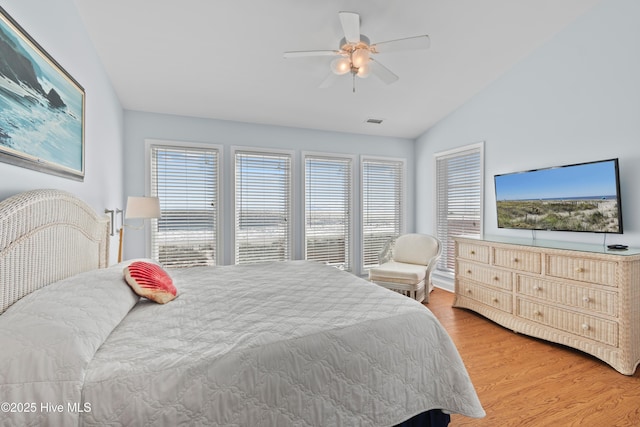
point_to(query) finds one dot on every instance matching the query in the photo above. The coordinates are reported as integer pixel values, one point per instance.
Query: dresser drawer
(582, 269)
(518, 260)
(487, 296)
(584, 297)
(487, 275)
(591, 327)
(473, 252)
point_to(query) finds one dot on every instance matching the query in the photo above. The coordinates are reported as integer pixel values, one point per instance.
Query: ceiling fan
(355, 52)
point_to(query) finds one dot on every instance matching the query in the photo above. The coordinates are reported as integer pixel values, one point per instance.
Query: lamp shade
(360, 57)
(341, 65)
(143, 207)
(363, 71)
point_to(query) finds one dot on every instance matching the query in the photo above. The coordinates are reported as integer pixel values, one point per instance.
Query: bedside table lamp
(139, 208)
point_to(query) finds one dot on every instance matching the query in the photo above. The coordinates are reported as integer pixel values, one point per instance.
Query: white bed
(274, 344)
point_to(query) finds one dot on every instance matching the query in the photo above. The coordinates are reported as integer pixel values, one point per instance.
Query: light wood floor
(523, 381)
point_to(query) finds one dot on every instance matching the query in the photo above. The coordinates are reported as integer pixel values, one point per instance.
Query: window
(328, 209)
(382, 205)
(262, 206)
(185, 179)
(459, 183)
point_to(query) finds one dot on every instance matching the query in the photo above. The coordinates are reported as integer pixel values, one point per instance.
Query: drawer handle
(579, 270)
(469, 271)
(537, 288)
(586, 299)
(473, 252)
(496, 278)
(468, 291)
(515, 260)
(537, 313)
(495, 299)
(585, 327)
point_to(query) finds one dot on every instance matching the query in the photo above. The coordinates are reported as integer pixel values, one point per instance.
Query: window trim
(148, 143)
(330, 156)
(448, 277)
(292, 191)
(403, 216)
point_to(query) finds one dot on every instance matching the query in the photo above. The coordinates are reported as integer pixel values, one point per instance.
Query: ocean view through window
(185, 179)
(383, 202)
(262, 206)
(328, 200)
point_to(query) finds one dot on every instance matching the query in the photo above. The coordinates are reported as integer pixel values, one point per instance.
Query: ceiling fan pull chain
(353, 75)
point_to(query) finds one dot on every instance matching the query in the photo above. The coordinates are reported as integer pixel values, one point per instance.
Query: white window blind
(262, 206)
(185, 179)
(382, 206)
(328, 210)
(459, 183)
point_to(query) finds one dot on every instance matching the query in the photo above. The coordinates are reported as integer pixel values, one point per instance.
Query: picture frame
(42, 107)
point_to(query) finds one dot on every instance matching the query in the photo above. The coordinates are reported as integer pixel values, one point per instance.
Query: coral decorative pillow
(150, 281)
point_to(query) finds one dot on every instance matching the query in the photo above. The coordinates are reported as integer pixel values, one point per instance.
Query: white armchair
(406, 264)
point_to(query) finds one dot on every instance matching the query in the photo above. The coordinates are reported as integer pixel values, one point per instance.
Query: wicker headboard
(46, 236)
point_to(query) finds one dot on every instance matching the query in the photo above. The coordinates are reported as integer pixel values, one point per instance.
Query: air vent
(374, 121)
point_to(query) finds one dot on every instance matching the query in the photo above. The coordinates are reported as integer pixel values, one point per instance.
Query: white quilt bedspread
(279, 344)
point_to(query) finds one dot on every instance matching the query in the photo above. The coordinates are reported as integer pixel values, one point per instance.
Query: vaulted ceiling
(223, 59)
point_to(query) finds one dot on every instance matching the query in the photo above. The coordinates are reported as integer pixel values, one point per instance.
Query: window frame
(403, 194)
(291, 194)
(351, 200)
(219, 214)
(448, 276)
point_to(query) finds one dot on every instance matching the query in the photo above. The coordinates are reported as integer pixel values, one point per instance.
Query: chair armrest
(432, 263)
(387, 250)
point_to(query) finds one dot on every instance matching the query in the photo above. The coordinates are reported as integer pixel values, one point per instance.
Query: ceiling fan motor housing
(358, 57)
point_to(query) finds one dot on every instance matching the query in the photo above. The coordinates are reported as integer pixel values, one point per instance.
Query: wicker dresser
(579, 295)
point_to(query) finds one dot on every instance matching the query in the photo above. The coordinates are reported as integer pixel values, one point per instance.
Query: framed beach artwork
(41, 107)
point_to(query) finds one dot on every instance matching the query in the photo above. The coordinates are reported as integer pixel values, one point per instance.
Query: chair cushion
(415, 249)
(398, 272)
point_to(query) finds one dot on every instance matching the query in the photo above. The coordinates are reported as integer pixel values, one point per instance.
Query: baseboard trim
(443, 281)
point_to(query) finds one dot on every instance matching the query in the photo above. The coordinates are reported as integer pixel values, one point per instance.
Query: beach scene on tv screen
(571, 198)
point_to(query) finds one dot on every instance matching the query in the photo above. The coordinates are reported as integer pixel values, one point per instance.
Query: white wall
(575, 99)
(140, 126)
(57, 27)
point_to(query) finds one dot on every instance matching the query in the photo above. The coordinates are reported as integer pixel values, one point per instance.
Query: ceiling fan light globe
(364, 71)
(341, 66)
(360, 57)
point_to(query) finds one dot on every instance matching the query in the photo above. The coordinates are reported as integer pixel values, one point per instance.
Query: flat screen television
(578, 197)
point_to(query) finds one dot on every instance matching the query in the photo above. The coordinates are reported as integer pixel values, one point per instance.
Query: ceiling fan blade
(328, 81)
(409, 43)
(382, 72)
(350, 26)
(307, 53)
